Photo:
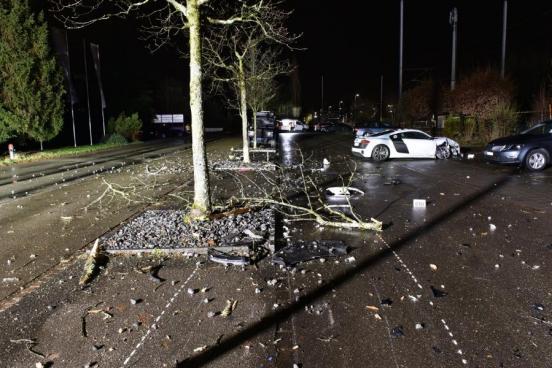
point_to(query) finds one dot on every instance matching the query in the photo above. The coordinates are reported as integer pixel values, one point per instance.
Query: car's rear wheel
(380, 153)
(537, 159)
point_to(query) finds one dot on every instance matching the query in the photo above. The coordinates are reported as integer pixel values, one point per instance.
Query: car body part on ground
(404, 143)
(300, 252)
(531, 148)
(343, 192)
(227, 259)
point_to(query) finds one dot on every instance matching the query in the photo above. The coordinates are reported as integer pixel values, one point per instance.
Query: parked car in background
(371, 127)
(404, 143)
(530, 149)
(266, 129)
(292, 125)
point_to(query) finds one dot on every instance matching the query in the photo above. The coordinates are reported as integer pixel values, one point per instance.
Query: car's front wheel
(537, 159)
(380, 153)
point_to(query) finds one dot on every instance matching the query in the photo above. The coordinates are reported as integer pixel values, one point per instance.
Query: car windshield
(545, 128)
(382, 133)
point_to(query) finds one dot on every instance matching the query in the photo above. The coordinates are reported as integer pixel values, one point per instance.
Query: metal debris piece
(230, 306)
(227, 259)
(306, 251)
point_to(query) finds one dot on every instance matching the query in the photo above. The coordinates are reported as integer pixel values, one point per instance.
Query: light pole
(401, 50)
(453, 19)
(354, 104)
(504, 23)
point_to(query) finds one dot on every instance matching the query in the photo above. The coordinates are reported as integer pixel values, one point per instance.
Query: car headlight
(507, 147)
(512, 147)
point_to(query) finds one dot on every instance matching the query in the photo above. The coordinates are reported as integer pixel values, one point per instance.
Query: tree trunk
(41, 146)
(243, 112)
(202, 197)
(255, 129)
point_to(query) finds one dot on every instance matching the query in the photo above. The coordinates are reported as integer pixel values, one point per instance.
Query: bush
(127, 126)
(116, 139)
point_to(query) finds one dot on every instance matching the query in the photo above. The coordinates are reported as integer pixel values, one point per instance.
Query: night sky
(351, 43)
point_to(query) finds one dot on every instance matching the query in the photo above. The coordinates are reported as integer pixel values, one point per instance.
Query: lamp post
(354, 105)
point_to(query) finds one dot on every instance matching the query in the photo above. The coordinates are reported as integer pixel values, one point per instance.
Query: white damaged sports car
(404, 143)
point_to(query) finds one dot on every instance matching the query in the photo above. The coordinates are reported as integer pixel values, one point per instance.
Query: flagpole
(70, 90)
(87, 92)
(102, 102)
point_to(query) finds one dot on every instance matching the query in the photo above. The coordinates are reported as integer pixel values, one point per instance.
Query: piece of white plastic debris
(433, 267)
(191, 291)
(419, 203)
(377, 316)
(350, 259)
(325, 161)
(200, 349)
(419, 326)
(492, 227)
(497, 266)
(535, 267)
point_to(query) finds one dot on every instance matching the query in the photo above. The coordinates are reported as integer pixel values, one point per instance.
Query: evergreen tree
(31, 83)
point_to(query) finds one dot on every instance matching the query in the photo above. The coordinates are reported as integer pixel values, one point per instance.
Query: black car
(530, 149)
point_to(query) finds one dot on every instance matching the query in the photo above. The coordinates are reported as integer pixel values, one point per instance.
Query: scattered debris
(293, 254)
(433, 267)
(191, 291)
(227, 259)
(230, 306)
(372, 308)
(10, 279)
(419, 326)
(492, 227)
(419, 203)
(200, 349)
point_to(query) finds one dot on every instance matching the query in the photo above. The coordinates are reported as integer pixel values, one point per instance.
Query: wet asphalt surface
(22, 179)
(463, 282)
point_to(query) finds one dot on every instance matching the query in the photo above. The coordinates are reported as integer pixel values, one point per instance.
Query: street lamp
(354, 105)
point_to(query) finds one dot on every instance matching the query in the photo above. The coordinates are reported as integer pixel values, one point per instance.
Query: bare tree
(263, 66)
(228, 54)
(165, 19)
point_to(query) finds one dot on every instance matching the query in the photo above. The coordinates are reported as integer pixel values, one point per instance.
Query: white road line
(415, 279)
(153, 325)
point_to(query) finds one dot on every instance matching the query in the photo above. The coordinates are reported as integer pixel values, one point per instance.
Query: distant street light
(354, 105)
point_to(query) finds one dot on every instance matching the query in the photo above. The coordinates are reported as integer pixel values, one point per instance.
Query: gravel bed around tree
(241, 166)
(166, 229)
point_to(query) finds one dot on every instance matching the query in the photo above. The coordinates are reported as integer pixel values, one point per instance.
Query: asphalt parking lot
(461, 282)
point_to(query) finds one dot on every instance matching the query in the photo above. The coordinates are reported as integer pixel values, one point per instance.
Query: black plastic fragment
(437, 293)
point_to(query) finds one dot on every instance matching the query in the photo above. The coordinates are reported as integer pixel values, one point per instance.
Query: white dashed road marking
(158, 318)
(415, 279)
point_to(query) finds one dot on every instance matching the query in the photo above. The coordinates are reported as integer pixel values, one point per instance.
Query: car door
(419, 144)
